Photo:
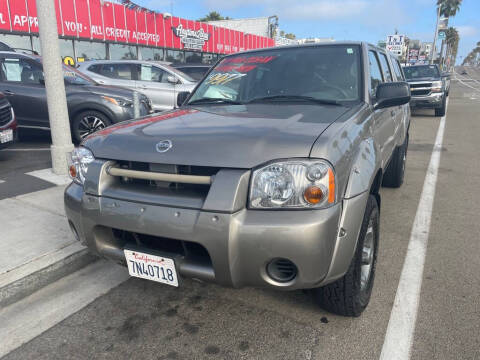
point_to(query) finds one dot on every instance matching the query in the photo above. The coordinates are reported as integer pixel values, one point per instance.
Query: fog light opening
(281, 270)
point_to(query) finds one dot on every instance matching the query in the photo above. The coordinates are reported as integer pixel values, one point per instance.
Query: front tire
(88, 122)
(441, 110)
(350, 295)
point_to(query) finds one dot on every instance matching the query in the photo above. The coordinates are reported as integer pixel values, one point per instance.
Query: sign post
(55, 87)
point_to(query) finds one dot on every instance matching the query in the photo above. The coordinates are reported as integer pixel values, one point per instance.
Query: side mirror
(182, 96)
(392, 94)
(41, 80)
(172, 79)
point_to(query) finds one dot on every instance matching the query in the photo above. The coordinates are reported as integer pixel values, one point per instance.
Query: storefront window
(151, 53)
(193, 57)
(122, 52)
(209, 58)
(87, 50)
(66, 51)
(36, 44)
(175, 56)
(16, 41)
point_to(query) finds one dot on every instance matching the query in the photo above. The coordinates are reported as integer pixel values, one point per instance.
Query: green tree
(451, 39)
(449, 8)
(213, 16)
(287, 35)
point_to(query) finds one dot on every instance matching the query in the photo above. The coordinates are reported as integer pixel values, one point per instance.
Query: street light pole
(432, 55)
(55, 86)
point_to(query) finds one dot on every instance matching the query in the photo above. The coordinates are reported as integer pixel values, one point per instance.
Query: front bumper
(239, 244)
(433, 100)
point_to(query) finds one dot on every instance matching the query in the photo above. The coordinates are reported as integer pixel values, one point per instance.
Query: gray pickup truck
(268, 175)
(429, 87)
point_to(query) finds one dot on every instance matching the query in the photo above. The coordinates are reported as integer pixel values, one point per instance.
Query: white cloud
(466, 30)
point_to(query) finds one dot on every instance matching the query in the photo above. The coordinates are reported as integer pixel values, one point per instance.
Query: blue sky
(369, 20)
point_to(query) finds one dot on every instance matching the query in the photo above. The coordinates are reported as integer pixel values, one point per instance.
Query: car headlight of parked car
(436, 86)
(118, 101)
(293, 183)
(79, 160)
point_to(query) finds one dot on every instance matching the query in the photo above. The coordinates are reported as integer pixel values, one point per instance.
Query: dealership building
(98, 29)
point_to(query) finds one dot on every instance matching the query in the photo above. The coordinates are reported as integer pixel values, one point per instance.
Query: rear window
(398, 70)
(386, 67)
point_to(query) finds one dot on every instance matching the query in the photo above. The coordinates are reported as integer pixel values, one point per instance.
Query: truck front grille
(421, 88)
(420, 92)
(163, 184)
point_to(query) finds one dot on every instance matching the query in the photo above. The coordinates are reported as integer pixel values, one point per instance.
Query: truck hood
(236, 136)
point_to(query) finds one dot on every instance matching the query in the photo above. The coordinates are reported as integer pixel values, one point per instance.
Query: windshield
(75, 77)
(327, 72)
(417, 72)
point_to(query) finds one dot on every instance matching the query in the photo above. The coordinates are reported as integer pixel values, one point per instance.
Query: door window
(152, 73)
(386, 68)
(375, 72)
(117, 71)
(21, 71)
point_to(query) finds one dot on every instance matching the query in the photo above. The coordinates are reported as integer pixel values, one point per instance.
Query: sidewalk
(36, 244)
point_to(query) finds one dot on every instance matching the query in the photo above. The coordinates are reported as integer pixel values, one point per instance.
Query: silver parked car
(268, 175)
(160, 82)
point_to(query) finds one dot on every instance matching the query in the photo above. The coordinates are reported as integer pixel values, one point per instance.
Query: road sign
(441, 35)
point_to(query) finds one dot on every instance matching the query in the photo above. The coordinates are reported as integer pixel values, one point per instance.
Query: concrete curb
(28, 278)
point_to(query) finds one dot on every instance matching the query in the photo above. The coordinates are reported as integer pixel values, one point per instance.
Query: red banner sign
(103, 20)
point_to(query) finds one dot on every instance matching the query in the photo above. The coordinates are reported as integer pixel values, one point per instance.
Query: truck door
(384, 131)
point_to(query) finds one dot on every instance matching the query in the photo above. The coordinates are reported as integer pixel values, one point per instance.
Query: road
(30, 154)
(141, 319)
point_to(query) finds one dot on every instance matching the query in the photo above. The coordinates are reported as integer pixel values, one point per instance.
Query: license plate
(6, 136)
(151, 267)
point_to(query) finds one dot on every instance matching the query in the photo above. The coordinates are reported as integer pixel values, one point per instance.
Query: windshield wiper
(296, 97)
(214, 101)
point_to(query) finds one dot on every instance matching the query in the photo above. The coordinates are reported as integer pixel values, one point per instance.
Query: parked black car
(91, 106)
(429, 87)
(8, 124)
(195, 71)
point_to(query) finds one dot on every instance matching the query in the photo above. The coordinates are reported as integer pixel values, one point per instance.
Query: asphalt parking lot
(141, 319)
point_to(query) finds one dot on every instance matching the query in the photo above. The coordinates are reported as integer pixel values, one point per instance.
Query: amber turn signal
(313, 195)
(73, 171)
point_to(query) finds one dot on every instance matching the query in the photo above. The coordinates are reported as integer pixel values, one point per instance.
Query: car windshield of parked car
(417, 72)
(329, 73)
(181, 74)
(74, 77)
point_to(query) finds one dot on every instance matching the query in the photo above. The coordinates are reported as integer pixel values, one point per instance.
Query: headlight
(293, 184)
(80, 158)
(118, 101)
(437, 86)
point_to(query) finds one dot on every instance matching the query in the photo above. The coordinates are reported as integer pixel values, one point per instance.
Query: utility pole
(432, 56)
(55, 86)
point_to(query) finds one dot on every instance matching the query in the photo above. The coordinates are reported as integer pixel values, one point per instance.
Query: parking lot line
(50, 176)
(401, 326)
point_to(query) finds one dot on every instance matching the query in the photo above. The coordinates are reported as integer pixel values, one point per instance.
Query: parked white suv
(160, 82)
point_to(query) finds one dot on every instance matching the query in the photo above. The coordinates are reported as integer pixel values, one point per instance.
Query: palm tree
(449, 8)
